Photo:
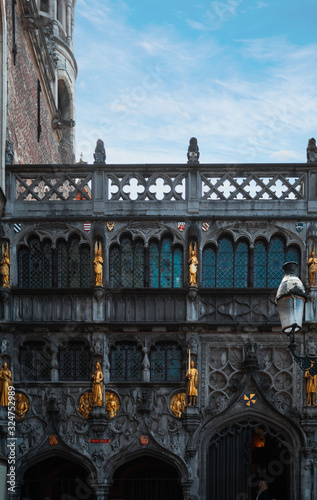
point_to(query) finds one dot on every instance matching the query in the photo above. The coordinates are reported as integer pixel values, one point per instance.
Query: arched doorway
(56, 479)
(146, 478)
(241, 455)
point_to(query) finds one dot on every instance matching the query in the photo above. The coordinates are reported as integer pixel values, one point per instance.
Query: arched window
(269, 260)
(36, 264)
(225, 263)
(166, 362)
(127, 264)
(74, 361)
(126, 362)
(35, 361)
(209, 267)
(241, 265)
(73, 264)
(66, 266)
(166, 264)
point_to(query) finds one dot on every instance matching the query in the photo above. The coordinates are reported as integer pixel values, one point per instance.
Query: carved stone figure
(97, 387)
(100, 153)
(5, 265)
(98, 263)
(193, 151)
(5, 383)
(22, 404)
(192, 384)
(312, 270)
(112, 404)
(193, 263)
(311, 388)
(178, 403)
(311, 151)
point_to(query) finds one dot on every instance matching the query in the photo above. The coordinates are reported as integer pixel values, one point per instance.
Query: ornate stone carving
(22, 405)
(311, 151)
(112, 404)
(178, 403)
(100, 153)
(85, 404)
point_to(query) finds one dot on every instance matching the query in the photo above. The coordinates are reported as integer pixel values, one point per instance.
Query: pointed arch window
(165, 264)
(225, 263)
(41, 266)
(127, 264)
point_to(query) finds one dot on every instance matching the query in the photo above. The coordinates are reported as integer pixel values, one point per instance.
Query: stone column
(69, 22)
(101, 490)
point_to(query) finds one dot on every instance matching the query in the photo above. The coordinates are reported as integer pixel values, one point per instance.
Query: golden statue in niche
(193, 263)
(178, 403)
(97, 386)
(5, 265)
(112, 404)
(22, 404)
(311, 388)
(312, 270)
(85, 404)
(5, 383)
(98, 263)
(192, 382)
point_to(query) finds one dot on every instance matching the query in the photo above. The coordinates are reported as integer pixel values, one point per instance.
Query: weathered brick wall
(22, 103)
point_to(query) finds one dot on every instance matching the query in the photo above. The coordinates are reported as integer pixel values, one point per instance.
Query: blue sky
(240, 75)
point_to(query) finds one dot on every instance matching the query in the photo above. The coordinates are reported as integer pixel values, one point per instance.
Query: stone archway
(56, 478)
(244, 453)
(146, 478)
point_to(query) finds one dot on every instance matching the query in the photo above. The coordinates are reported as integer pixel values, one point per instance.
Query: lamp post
(3, 476)
(290, 300)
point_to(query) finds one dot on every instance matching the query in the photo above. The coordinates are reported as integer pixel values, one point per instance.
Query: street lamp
(290, 300)
(3, 476)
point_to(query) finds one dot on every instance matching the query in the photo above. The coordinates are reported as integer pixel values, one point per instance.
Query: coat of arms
(181, 226)
(205, 226)
(299, 226)
(53, 440)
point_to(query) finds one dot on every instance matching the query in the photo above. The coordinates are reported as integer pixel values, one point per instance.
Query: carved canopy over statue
(311, 151)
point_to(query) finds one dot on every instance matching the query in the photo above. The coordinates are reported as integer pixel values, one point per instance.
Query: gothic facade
(100, 272)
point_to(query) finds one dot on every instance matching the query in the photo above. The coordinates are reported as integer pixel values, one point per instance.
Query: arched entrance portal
(241, 455)
(56, 479)
(146, 478)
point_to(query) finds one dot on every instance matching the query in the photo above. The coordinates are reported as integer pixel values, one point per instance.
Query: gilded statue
(192, 383)
(97, 386)
(85, 404)
(312, 270)
(5, 383)
(112, 404)
(193, 263)
(22, 405)
(5, 265)
(98, 263)
(178, 403)
(311, 388)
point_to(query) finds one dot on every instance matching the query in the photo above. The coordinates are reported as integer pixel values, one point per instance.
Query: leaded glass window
(209, 267)
(260, 265)
(165, 361)
(126, 362)
(241, 265)
(276, 259)
(166, 267)
(35, 361)
(292, 255)
(225, 264)
(42, 267)
(127, 264)
(154, 265)
(74, 361)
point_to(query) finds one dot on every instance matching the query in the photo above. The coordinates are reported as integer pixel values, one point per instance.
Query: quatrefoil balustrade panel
(53, 188)
(252, 187)
(158, 186)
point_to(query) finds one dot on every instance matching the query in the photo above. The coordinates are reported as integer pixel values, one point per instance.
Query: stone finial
(100, 153)
(193, 151)
(311, 151)
(9, 152)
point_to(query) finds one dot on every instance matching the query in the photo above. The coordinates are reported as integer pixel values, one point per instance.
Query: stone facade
(251, 396)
